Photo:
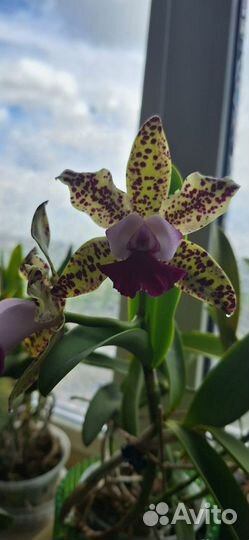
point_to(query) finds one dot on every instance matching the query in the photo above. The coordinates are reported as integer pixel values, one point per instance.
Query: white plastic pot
(31, 502)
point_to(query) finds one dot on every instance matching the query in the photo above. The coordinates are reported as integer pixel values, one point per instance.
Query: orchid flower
(17, 322)
(145, 248)
(34, 321)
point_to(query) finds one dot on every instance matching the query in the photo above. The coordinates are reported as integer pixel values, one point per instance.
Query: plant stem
(85, 320)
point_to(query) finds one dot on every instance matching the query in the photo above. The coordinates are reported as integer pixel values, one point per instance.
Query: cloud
(65, 102)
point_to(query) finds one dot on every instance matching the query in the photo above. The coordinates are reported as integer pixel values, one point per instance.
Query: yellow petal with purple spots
(82, 273)
(32, 260)
(37, 343)
(149, 169)
(96, 194)
(201, 200)
(205, 279)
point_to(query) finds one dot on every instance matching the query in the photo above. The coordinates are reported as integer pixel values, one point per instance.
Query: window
(71, 80)
(237, 221)
(71, 76)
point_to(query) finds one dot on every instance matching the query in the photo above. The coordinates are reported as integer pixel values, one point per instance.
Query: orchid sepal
(205, 279)
(201, 200)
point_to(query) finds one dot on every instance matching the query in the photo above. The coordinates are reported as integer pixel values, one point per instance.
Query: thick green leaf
(104, 405)
(160, 313)
(223, 396)
(65, 489)
(237, 449)
(217, 477)
(225, 256)
(80, 343)
(175, 363)
(40, 231)
(202, 343)
(6, 520)
(132, 389)
(119, 365)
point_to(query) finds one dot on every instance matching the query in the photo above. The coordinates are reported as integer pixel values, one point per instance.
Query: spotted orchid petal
(142, 272)
(148, 172)
(38, 342)
(204, 278)
(82, 273)
(201, 200)
(31, 261)
(17, 321)
(97, 195)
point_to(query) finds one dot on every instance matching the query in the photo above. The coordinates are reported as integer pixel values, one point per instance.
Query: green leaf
(6, 520)
(217, 477)
(184, 531)
(40, 231)
(6, 386)
(202, 343)
(133, 305)
(175, 363)
(65, 489)
(223, 397)
(237, 449)
(160, 313)
(80, 343)
(119, 365)
(225, 256)
(13, 280)
(176, 180)
(132, 389)
(104, 405)
(65, 261)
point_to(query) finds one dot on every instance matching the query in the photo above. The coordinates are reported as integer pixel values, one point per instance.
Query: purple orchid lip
(17, 321)
(142, 272)
(153, 235)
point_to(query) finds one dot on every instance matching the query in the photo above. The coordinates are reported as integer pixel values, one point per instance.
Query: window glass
(71, 77)
(237, 219)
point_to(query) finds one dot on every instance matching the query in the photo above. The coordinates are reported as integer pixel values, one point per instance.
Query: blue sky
(71, 75)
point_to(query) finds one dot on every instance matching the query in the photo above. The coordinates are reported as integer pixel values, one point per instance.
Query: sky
(71, 77)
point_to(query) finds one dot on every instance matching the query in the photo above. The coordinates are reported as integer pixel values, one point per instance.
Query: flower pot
(31, 502)
(164, 532)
